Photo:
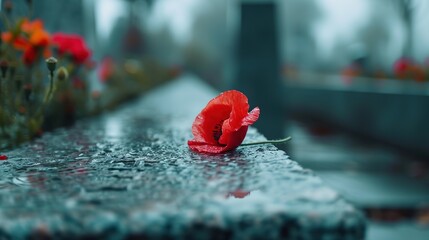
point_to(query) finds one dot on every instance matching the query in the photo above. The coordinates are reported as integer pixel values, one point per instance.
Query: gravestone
(130, 174)
(258, 63)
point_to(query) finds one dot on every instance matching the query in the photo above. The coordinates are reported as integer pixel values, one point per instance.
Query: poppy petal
(222, 125)
(251, 117)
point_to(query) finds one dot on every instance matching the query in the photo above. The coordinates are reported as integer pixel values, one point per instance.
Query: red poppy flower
(222, 125)
(72, 44)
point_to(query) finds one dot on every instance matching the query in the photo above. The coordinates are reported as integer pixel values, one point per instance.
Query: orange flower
(31, 38)
(18, 42)
(28, 27)
(38, 37)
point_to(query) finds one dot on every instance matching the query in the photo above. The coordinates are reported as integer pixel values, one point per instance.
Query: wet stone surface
(130, 174)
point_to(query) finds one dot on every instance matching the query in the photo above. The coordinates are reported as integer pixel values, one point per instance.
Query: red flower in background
(72, 44)
(222, 125)
(402, 67)
(406, 68)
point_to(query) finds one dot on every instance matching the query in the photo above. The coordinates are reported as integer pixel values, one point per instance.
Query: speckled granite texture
(129, 174)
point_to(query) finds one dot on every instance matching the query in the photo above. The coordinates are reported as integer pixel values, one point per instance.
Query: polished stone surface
(130, 174)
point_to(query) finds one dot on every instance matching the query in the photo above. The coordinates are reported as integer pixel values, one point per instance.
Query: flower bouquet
(46, 81)
(37, 91)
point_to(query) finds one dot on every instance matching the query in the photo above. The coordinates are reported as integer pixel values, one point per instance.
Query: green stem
(3, 112)
(51, 87)
(5, 21)
(268, 142)
(30, 11)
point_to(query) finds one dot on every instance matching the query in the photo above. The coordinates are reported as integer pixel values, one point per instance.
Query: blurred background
(347, 79)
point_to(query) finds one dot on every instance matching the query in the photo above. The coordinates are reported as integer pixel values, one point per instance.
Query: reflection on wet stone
(131, 174)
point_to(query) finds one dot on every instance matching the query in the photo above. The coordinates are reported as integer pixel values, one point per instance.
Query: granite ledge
(129, 174)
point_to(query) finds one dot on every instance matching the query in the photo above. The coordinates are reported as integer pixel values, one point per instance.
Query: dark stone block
(258, 63)
(130, 175)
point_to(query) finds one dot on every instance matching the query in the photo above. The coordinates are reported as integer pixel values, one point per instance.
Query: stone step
(130, 174)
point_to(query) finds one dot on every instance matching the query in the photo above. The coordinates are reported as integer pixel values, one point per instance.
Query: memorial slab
(129, 174)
